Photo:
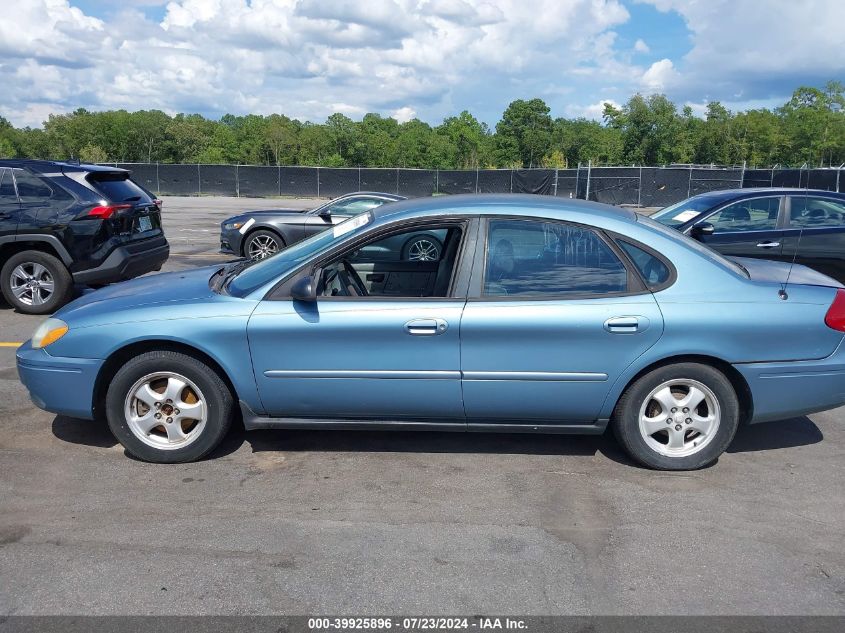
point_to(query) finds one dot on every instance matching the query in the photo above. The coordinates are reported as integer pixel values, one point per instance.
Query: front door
(555, 323)
(381, 341)
(748, 228)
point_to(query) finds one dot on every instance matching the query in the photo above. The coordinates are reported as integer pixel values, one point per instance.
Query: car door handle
(625, 324)
(768, 244)
(426, 327)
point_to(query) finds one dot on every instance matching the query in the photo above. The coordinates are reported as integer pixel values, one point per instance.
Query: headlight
(49, 332)
(232, 226)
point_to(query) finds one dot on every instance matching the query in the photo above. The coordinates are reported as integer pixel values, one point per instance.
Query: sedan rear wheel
(677, 417)
(168, 407)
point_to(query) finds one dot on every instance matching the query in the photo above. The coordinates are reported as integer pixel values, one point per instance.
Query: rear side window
(117, 187)
(654, 272)
(32, 188)
(810, 212)
(531, 258)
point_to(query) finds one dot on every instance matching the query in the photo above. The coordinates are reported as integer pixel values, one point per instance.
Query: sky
(427, 59)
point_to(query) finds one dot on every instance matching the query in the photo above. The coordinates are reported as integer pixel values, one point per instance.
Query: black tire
(406, 249)
(55, 269)
(262, 234)
(626, 417)
(217, 398)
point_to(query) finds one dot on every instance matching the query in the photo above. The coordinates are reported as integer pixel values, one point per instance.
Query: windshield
(254, 274)
(685, 210)
(697, 246)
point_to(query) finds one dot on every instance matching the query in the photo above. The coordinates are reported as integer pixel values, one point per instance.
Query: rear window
(118, 187)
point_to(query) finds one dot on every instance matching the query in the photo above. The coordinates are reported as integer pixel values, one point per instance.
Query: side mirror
(704, 228)
(325, 213)
(304, 289)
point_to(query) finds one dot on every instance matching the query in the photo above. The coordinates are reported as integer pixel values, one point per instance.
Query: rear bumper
(59, 385)
(790, 389)
(126, 262)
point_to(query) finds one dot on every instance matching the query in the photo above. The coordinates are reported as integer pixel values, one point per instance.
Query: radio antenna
(782, 292)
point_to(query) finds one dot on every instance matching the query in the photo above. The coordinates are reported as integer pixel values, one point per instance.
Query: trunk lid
(766, 270)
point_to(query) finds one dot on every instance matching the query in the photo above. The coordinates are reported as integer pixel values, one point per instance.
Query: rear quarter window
(117, 187)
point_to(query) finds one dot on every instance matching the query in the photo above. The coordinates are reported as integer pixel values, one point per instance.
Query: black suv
(64, 223)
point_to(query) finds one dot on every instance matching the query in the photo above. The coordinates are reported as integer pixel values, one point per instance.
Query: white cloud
(404, 114)
(743, 51)
(306, 58)
(659, 76)
(592, 111)
(309, 58)
(641, 47)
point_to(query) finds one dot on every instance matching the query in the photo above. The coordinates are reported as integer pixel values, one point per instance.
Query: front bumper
(126, 262)
(56, 384)
(230, 241)
(789, 389)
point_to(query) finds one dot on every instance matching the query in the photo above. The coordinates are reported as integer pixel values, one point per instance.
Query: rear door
(9, 206)
(137, 217)
(748, 228)
(815, 234)
(555, 318)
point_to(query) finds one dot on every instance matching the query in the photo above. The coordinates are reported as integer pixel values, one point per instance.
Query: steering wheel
(354, 279)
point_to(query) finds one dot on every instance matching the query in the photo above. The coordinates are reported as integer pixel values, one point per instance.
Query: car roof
(727, 194)
(49, 166)
(380, 194)
(506, 204)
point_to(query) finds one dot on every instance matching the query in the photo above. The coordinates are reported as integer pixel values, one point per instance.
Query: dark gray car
(257, 234)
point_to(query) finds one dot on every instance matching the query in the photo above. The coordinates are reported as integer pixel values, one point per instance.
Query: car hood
(767, 270)
(265, 214)
(176, 287)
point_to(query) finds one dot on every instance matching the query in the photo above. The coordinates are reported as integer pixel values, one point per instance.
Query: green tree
(524, 133)
(93, 154)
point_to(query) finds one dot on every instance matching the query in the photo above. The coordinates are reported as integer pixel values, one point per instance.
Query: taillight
(107, 211)
(158, 203)
(835, 317)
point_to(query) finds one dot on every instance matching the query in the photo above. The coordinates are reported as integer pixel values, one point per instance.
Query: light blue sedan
(539, 315)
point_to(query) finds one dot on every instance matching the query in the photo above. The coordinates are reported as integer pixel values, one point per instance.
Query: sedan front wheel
(261, 244)
(168, 407)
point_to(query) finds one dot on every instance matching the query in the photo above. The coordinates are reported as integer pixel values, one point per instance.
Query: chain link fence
(634, 186)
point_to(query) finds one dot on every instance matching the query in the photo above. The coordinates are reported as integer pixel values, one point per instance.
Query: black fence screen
(635, 186)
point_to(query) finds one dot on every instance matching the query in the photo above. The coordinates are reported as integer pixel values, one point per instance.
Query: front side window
(354, 206)
(531, 258)
(760, 214)
(379, 268)
(810, 212)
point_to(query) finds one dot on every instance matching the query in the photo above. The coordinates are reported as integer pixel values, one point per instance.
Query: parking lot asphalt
(305, 522)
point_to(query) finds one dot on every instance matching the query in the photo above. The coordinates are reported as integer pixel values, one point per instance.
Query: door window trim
(458, 285)
(476, 290)
(780, 224)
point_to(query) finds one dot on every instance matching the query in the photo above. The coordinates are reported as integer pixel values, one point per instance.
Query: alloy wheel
(32, 283)
(423, 250)
(679, 417)
(262, 246)
(165, 410)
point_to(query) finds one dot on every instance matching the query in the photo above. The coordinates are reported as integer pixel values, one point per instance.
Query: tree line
(646, 130)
